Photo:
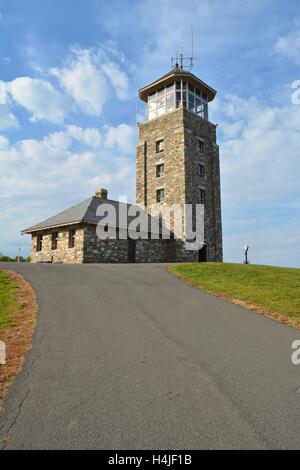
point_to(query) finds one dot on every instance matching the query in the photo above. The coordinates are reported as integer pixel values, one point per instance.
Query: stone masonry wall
(197, 129)
(63, 253)
(181, 131)
(146, 250)
(103, 251)
(90, 249)
(170, 128)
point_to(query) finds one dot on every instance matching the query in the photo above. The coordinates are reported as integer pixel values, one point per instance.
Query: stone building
(71, 236)
(177, 153)
(177, 163)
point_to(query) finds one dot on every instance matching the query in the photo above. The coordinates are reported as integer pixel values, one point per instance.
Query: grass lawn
(8, 300)
(272, 290)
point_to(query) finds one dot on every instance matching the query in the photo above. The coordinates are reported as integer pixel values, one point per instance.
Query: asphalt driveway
(129, 357)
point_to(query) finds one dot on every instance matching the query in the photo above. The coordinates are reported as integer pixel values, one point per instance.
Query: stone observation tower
(177, 171)
(177, 155)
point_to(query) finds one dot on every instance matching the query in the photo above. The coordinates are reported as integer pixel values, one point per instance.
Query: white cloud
(53, 173)
(123, 137)
(260, 168)
(3, 93)
(39, 97)
(37, 160)
(4, 143)
(118, 79)
(58, 140)
(83, 81)
(7, 119)
(259, 152)
(289, 46)
(63, 140)
(90, 137)
(86, 76)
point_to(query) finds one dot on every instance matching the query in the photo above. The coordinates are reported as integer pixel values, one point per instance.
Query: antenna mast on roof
(181, 62)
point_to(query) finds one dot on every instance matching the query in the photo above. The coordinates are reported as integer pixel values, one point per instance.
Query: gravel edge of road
(18, 336)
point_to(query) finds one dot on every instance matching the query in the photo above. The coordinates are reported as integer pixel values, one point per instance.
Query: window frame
(158, 142)
(201, 145)
(161, 101)
(158, 197)
(39, 242)
(54, 240)
(202, 196)
(72, 238)
(176, 95)
(190, 97)
(160, 174)
(201, 170)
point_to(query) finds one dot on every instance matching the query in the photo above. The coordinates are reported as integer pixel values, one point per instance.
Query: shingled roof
(176, 74)
(84, 212)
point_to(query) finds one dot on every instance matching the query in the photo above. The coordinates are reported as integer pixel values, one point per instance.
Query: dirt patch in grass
(17, 335)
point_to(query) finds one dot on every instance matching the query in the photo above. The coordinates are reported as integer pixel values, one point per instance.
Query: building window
(197, 102)
(160, 195)
(160, 145)
(201, 145)
(201, 170)
(202, 196)
(192, 98)
(160, 170)
(54, 241)
(161, 101)
(72, 236)
(39, 242)
(177, 95)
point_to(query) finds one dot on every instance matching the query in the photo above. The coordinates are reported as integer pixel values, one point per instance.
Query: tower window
(39, 242)
(54, 241)
(191, 102)
(161, 101)
(160, 145)
(192, 98)
(201, 145)
(177, 95)
(202, 196)
(72, 235)
(160, 195)
(201, 170)
(160, 170)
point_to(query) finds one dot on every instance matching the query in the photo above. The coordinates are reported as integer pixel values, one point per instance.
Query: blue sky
(69, 75)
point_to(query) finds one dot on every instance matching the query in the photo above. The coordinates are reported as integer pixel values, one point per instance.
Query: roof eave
(145, 91)
(47, 227)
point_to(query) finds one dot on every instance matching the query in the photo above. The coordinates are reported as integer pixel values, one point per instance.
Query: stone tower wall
(170, 128)
(197, 129)
(181, 131)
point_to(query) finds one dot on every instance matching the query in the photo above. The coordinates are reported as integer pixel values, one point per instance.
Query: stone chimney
(102, 193)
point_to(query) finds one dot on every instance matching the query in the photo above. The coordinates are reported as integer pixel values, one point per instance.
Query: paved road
(127, 356)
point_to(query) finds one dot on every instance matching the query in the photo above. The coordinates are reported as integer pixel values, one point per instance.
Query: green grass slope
(270, 289)
(8, 300)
